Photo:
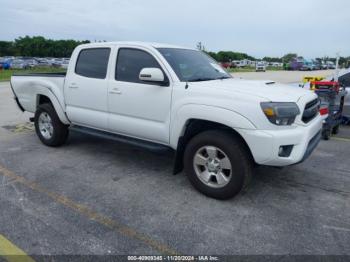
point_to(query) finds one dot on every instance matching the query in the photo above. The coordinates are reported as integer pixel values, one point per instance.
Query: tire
(51, 133)
(335, 130)
(228, 147)
(326, 134)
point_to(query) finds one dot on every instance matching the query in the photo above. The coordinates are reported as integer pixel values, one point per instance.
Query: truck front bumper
(267, 146)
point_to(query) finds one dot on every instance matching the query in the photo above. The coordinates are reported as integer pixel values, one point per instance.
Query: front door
(137, 108)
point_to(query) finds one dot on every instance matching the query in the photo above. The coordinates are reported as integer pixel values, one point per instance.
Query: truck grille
(311, 110)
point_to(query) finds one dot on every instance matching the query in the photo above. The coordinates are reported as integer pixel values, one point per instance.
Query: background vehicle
(165, 97)
(65, 63)
(330, 65)
(344, 81)
(6, 63)
(19, 64)
(333, 95)
(56, 62)
(296, 63)
(324, 65)
(307, 65)
(42, 62)
(317, 65)
(226, 64)
(260, 66)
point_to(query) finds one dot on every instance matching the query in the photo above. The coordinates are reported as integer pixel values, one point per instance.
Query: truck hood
(265, 89)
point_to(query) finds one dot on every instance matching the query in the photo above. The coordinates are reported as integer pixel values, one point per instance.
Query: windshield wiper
(201, 79)
(222, 77)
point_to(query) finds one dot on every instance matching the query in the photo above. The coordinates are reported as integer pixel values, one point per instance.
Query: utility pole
(337, 68)
(200, 46)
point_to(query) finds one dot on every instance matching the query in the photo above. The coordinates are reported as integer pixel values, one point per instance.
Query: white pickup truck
(159, 95)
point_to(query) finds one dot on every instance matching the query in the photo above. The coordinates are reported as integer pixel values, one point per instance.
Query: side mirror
(151, 74)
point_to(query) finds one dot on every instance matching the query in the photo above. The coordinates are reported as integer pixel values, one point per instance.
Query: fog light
(285, 151)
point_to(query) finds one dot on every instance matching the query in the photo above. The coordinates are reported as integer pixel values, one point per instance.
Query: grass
(5, 75)
(252, 69)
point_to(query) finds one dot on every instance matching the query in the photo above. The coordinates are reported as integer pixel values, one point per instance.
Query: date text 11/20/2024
(173, 258)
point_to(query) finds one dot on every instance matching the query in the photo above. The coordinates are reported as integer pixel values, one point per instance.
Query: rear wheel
(49, 128)
(335, 130)
(217, 164)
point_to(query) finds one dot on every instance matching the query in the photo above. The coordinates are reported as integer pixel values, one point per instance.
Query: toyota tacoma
(164, 96)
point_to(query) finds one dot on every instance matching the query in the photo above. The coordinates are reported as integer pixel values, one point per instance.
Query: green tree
(272, 59)
(213, 55)
(288, 57)
(227, 56)
(39, 46)
(7, 48)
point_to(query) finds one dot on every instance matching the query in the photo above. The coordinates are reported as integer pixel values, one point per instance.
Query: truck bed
(57, 74)
(28, 86)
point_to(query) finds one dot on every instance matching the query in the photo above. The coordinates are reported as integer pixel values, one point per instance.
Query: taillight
(324, 111)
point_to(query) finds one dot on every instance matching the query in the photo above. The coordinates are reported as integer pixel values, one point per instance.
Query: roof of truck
(135, 43)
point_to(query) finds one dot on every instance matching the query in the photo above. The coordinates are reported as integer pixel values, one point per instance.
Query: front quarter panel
(208, 113)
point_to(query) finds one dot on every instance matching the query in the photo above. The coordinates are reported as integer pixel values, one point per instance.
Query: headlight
(281, 114)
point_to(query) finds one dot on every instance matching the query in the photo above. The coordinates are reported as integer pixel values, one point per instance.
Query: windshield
(192, 65)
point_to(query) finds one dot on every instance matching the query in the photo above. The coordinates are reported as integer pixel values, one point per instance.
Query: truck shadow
(137, 158)
(112, 150)
(298, 179)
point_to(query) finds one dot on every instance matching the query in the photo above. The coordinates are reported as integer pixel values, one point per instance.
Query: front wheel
(49, 128)
(326, 134)
(217, 164)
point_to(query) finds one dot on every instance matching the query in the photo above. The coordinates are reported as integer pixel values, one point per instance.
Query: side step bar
(158, 148)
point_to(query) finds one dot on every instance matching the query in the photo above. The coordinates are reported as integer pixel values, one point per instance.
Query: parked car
(226, 64)
(276, 64)
(19, 64)
(164, 97)
(57, 62)
(344, 80)
(6, 63)
(42, 62)
(260, 66)
(323, 65)
(307, 66)
(64, 64)
(330, 65)
(30, 61)
(296, 63)
(317, 65)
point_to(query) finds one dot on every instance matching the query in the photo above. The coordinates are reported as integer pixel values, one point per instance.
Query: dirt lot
(94, 196)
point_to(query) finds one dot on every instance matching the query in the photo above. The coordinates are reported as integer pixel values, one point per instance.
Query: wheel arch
(49, 97)
(194, 127)
(215, 114)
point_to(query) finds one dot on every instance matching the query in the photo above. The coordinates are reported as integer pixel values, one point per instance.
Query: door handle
(73, 85)
(115, 91)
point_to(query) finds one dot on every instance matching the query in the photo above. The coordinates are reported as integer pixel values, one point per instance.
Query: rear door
(86, 88)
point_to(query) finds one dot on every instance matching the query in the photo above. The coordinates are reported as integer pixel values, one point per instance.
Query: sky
(311, 28)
